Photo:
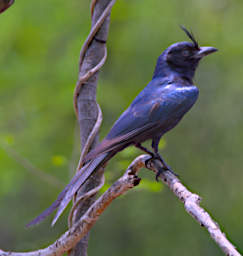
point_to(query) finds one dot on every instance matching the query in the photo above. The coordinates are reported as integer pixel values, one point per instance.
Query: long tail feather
(70, 193)
(66, 195)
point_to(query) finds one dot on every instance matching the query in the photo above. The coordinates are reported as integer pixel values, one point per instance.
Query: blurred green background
(39, 50)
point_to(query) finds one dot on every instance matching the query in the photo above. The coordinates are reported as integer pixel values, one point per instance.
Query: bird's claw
(158, 174)
(146, 162)
(165, 167)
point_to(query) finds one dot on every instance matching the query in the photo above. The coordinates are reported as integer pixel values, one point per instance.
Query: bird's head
(182, 58)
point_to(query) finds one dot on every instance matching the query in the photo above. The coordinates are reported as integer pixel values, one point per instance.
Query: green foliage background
(39, 50)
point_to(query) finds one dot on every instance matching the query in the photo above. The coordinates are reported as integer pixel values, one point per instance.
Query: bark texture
(85, 215)
(128, 181)
(88, 111)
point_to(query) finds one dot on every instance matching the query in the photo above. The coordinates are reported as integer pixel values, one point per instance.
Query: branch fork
(128, 181)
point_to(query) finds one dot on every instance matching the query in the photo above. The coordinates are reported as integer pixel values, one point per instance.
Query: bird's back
(156, 110)
(161, 101)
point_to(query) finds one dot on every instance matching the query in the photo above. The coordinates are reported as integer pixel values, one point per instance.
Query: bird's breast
(174, 101)
(182, 98)
(187, 93)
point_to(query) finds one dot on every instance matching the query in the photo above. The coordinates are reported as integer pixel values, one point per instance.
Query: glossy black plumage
(157, 109)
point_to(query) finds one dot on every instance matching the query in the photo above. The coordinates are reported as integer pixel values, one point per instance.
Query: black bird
(156, 110)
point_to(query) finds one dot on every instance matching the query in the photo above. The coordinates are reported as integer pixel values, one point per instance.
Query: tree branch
(92, 57)
(130, 179)
(81, 228)
(191, 203)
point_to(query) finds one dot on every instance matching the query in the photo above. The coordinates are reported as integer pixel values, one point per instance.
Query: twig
(127, 181)
(82, 198)
(92, 57)
(80, 228)
(85, 150)
(71, 237)
(90, 37)
(191, 203)
(91, 137)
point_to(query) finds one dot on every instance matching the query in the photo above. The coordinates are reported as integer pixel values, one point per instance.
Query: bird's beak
(204, 51)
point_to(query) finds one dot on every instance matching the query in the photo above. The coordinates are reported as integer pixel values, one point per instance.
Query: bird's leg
(155, 155)
(138, 145)
(155, 144)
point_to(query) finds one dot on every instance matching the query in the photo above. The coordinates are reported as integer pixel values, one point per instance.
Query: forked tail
(67, 194)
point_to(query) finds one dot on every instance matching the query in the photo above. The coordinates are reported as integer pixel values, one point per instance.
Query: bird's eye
(185, 53)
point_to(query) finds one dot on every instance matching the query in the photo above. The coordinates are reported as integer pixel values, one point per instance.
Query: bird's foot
(163, 169)
(160, 171)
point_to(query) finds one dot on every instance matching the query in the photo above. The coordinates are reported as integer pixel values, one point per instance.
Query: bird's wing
(137, 119)
(133, 121)
(161, 107)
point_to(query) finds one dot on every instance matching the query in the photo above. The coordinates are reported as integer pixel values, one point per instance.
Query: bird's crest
(191, 36)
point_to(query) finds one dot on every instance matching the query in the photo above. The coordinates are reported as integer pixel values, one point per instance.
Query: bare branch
(92, 71)
(191, 203)
(77, 201)
(91, 137)
(130, 179)
(71, 237)
(92, 57)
